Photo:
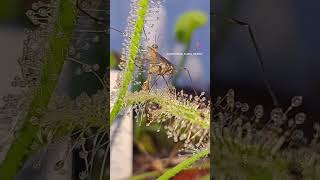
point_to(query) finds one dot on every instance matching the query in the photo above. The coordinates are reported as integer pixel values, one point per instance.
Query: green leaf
(187, 23)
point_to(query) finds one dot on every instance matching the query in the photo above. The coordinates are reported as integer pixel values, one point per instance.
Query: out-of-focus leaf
(187, 23)
(193, 173)
(113, 62)
(51, 67)
(145, 142)
(8, 9)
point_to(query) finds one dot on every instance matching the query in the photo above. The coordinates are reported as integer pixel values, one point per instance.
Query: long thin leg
(166, 83)
(155, 81)
(145, 34)
(187, 70)
(260, 61)
(117, 30)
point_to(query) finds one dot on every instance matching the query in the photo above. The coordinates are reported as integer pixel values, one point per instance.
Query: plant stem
(51, 68)
(135, 41)
(183, 165)
(182, 63)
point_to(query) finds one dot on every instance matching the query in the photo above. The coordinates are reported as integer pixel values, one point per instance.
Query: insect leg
(117, 30)
(255, 44)
(166, 83)
(155, 82)
(189, 75)
(144, 31)
(187, 70)
(146, 85)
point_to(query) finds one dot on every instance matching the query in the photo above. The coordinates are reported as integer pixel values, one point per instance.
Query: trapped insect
(158, 65)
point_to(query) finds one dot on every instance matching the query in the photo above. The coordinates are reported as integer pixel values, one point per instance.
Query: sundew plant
(254, 143)
(184, 117)
(39, 118)
(257, 145)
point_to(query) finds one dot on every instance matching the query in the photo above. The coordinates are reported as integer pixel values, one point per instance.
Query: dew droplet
(86, 68)
(277, 115)
(258, 111)
(297, 134)
(83, 175)
(59, 165)
(36, 165)
(316, 126)
(83, 154)
(244, 107)
(300, 118)
(296, 101)
(95, 67)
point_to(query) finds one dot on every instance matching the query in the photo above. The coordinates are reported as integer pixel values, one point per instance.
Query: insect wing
(162, 59)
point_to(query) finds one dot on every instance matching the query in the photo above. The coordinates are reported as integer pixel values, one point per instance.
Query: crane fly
(159, 66)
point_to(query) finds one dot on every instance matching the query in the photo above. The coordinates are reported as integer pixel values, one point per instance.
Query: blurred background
(288, 38)
(13, 22)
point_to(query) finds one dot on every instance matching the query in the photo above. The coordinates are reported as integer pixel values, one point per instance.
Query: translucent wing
(162, 59)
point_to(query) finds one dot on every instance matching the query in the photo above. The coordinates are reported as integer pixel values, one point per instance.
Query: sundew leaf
(51, 68)
(134, 44)
(187, 23)
(264, 147)
(171, 106)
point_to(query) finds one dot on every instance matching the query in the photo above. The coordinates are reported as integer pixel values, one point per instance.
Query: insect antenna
(255, 44)
(123, 33)
(195, 92)
(158, 37)
(145, 34)
(117, 30)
